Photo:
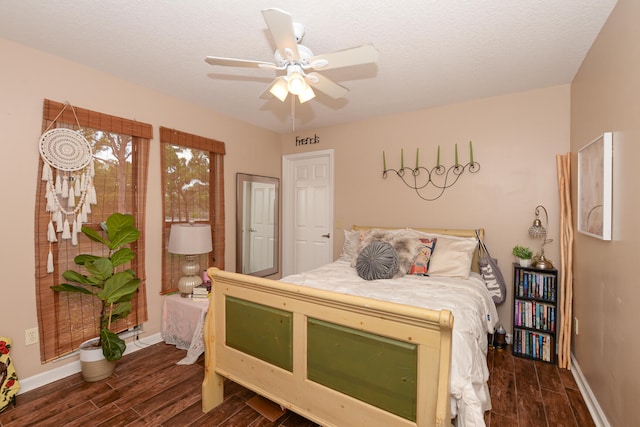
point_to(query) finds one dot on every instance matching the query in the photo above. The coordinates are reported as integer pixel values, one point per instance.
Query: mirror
(257, 224)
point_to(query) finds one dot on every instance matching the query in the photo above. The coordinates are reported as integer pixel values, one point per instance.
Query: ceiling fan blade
(280, 24)
(323, 84)
(231, 62)
(364, 54)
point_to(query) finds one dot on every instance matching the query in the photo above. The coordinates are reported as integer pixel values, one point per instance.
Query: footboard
(336, 359)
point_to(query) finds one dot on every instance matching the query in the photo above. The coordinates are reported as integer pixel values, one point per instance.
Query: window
(193, 185)
(120, 151)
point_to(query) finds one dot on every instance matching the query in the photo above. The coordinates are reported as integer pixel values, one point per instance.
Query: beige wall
(606, 97)
(26, 78)
(515, 139)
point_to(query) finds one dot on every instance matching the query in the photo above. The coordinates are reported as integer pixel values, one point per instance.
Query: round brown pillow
(377, 260)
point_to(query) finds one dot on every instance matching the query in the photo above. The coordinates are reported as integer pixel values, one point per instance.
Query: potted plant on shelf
(115, 290)
(523, 254)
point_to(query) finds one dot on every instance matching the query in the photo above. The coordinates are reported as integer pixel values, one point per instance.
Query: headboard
(443, 231)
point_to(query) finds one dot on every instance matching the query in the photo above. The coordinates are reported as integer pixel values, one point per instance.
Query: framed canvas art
(595, 187)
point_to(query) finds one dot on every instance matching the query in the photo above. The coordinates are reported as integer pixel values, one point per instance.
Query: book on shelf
(200, 291)
(536, 345)
(536, 285)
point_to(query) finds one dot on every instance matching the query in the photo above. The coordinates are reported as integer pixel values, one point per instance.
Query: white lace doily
(65, 149)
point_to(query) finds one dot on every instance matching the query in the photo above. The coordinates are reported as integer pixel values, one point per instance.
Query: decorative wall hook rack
(439, 177)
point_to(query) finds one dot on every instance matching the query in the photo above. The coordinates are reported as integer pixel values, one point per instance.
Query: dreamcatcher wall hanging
(68, 170)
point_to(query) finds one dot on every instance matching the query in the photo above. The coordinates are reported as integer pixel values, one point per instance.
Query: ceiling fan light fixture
(306, 95)
(295, 79)
(296, 84)
(279, 89)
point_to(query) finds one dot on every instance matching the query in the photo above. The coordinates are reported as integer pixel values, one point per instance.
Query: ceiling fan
(298, 62)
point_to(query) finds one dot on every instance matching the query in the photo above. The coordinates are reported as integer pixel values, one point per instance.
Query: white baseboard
(590, 400)
(44, 378)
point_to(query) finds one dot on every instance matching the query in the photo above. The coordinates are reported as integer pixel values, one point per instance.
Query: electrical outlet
(575, 322)
(31, 336)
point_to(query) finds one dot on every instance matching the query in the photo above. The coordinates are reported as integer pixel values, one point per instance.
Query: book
(200, 291)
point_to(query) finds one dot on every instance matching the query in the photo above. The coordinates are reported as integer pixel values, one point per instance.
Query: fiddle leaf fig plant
(114, 287)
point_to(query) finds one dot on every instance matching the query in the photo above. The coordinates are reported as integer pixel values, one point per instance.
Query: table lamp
(190, 240)
(538, 230)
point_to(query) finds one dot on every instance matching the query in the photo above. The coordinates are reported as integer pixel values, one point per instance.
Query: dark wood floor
(149, 389)
(526, 393)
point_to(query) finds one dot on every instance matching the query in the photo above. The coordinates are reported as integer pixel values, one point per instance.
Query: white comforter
(474, 316)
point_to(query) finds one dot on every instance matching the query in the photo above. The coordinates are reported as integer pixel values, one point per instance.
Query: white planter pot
(94, 366)
(524, 262)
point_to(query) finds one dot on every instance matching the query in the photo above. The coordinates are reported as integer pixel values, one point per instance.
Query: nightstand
(182, 325)
(535, 313)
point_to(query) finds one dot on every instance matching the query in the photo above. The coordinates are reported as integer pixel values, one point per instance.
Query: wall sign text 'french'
(308, 140)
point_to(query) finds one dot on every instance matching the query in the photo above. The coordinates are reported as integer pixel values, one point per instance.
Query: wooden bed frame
(335, 359)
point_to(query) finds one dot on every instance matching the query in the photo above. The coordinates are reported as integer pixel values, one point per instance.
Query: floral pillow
(420, 265)
(9, 385)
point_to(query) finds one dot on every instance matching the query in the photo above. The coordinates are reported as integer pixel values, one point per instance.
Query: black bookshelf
(535, 313)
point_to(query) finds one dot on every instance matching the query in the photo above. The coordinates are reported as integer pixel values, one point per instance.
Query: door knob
(328, 235)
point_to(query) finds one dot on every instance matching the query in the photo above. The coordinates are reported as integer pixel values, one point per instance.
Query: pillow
(370, 235)
(420, 265)
(9, 385)
(453, 256)
(351, 245)
(408, 248)
(378, 260)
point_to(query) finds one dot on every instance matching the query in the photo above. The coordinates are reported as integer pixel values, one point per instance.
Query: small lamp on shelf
(538, 230)
(190, 240)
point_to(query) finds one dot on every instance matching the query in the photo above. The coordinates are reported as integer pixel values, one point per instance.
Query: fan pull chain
(293, 113)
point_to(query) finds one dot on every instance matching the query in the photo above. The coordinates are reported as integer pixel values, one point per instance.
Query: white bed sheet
(474, 316)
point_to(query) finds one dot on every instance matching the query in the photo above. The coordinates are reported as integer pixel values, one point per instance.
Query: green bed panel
(374, 369)
(260, 331)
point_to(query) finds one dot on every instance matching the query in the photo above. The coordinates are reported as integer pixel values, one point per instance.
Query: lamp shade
(306, 95)
(279, 88)
(537, 229)
(190, 239)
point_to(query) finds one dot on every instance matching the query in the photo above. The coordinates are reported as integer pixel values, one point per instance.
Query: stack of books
(201, 291)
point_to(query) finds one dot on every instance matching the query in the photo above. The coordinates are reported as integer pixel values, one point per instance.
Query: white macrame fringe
(65, 186)
(51, 205)
(46, 172)
(50, 261)
(74, 233)
(59, 221)
(71, 202)
(93, 198)
(51, 232)
(58, 186)
(66, 229)
(85, 211)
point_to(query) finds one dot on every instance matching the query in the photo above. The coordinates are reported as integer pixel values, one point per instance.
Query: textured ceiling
(431, 52)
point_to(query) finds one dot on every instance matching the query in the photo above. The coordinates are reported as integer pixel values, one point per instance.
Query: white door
(261, 226)
(308, 211)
